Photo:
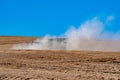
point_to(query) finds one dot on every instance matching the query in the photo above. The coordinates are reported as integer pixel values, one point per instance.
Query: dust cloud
(91, 35)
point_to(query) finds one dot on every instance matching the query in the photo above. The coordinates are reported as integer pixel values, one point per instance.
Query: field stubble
(57, 65)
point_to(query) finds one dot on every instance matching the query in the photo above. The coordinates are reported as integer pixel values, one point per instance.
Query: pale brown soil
(56, 65)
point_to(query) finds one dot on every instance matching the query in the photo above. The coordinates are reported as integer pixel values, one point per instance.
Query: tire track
(10, 77)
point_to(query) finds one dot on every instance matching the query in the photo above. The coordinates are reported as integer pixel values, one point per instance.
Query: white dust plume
(91, 35)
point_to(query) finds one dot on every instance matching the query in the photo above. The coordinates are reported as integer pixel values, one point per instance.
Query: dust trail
(47, 43)
(91, 35)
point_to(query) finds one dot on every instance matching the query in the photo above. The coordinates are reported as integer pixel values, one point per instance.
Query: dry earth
(55, 65)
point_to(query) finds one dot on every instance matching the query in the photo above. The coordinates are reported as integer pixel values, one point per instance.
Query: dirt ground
(55, 65)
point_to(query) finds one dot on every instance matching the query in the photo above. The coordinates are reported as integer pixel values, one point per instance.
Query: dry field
(55, 65)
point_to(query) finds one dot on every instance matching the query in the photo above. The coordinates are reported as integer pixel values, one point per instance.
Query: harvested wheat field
(55, 65)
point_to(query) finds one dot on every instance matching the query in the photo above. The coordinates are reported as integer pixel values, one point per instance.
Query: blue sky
(54, 17)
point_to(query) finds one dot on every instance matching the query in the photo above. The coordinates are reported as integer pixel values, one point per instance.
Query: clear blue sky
(41, 17)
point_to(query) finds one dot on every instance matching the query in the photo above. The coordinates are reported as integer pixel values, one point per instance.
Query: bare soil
(55, 65)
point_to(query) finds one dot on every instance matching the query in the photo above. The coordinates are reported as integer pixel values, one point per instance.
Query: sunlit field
(55, 64)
